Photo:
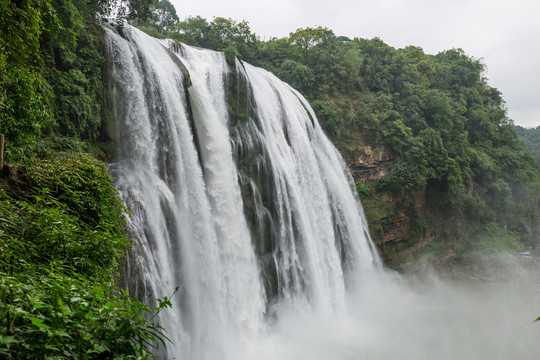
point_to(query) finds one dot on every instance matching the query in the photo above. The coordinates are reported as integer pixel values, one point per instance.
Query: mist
(427, 316)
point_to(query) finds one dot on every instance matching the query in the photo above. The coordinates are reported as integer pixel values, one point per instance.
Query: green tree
(307, 38)
(220, 34)
(297, 75)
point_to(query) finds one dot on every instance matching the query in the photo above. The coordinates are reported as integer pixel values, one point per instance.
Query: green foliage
(275, 51)
(221, 34)
(363, 190)
(21, 24)
(59, 252)
(53, 315)
(83, 184)
(23, 108)
(531, 137)
(299, 76)
(164, 15)
(307, 38)
(133, 10)
(230, 53)
(73, 69)
(330, 118)
(45, 223)
(60, 248)
(404, 177)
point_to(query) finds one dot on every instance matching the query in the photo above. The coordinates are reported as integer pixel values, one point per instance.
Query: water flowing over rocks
(236, 196)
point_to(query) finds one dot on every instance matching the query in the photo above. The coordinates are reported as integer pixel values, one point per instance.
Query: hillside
(437, 161)
(62, 225)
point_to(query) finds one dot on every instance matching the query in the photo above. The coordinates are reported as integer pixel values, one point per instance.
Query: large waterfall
(237, 198)
(236, 195)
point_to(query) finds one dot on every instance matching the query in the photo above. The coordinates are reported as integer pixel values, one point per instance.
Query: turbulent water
(238, 199)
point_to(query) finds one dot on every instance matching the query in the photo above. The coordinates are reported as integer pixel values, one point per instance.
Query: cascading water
(237, 198)
(244, 211)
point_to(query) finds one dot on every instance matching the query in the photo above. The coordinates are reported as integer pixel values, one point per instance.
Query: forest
(460, 181)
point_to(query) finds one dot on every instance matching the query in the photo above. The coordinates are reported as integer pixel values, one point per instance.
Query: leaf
(110, 305)
(66, 310)
(39, 323)
(35, 303)
(20, 311)
(99, 349)
(7, 340)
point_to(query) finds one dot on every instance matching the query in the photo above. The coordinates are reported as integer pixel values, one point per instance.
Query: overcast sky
(505, 34)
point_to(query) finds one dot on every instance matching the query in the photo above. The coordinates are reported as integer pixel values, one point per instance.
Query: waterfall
(235, 195)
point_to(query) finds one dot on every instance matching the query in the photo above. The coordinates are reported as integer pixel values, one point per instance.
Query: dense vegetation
(531, 137)
(459, 174)
(50, 69)
(457, 165)
(60, 250)
(62, 236)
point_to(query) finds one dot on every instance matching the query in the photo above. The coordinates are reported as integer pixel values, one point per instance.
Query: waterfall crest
(236, 196)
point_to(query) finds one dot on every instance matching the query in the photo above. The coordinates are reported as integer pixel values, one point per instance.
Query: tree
(220, 34)
(307, 38)
(164, 15)
(125, 9)
(297, 75)
(192, 31)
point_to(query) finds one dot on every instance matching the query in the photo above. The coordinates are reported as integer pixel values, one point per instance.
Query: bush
(83, 184)
(404, 177)
(41, 231)
(50, 314)
(23, 109)
(363, 190)
(59, 255)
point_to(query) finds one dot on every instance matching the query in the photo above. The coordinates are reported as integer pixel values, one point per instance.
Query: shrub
(59, 256)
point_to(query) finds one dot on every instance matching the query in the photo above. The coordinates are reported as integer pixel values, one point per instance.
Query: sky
(504, 34)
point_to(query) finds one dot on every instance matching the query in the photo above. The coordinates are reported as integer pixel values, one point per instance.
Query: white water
(311, 183)
(254, 217)
(425, 319)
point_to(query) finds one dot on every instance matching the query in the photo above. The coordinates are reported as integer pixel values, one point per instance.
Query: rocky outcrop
(393, 218)
(397, 229)
(371, 164)
(14, 180)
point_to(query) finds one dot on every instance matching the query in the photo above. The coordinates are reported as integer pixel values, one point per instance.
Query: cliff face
(371, 164)
(397, 222)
